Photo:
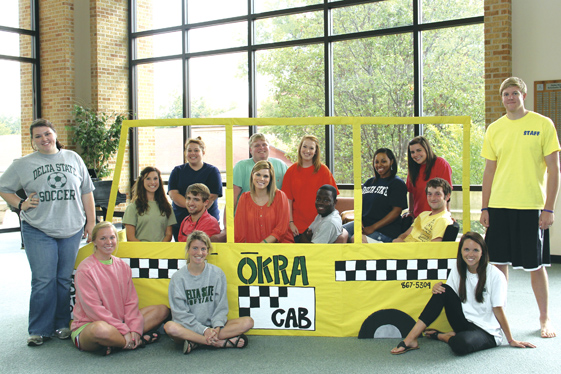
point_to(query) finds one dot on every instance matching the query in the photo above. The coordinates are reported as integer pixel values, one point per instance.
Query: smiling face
(259, 150)
(308, 151)
(194, 154)
(261, 179)
(197, 252)
(513, 99)
(151, 182)
(105, 243)
(195, 204)
(471, 253)
(44, 139)
(436, 199)
(418, 153)
(325, 202)
(383, 165)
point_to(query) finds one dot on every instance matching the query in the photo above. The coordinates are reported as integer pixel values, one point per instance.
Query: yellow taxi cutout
(365, 290)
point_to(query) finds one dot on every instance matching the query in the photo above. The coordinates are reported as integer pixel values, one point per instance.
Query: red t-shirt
(441, 169)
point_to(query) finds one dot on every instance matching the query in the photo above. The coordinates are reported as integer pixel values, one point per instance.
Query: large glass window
(299, 58)
(19, 74)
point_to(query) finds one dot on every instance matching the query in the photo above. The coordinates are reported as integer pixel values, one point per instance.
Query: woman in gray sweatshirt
(199, 303)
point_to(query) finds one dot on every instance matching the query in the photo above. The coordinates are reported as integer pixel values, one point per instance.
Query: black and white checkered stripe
(391, 270)
(268, 296)
(154, 268)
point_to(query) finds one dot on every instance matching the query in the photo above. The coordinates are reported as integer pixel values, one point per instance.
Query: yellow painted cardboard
(298, 287)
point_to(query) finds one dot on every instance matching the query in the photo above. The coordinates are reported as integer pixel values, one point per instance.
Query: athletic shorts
(514, 238)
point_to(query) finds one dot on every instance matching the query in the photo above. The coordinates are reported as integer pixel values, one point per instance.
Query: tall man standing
(517, 203)
(259, 150)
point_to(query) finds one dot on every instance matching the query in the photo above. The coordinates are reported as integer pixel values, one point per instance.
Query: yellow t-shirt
(519, 147)
(427, 227)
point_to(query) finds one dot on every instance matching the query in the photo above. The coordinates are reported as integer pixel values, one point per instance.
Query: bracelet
(21, 203)
(264, 241)
(482, 209)
(290, 221)
(547, 210)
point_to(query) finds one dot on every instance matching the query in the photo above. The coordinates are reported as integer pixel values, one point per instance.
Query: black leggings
(469, 337)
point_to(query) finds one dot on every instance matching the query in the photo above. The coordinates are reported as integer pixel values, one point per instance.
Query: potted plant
(96, 135)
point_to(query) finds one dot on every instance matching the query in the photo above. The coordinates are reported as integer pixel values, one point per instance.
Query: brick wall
(56, 19)
(109, 64)
(26, 74)
(498, 54)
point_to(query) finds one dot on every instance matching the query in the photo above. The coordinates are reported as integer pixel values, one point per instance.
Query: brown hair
(481, 267)
(199, 189)
(413, 167)
(139, 194)
(41, 122)
(272, 187)
(316, 160)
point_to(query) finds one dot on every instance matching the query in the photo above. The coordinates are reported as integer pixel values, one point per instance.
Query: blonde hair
(103, 225)
(513, 82)
(316, 160)
(272, 187)
(198, 140)
(197, 235)
(255, 137)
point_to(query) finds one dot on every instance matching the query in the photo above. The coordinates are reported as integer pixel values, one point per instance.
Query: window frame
(416, 29)
(34, 60)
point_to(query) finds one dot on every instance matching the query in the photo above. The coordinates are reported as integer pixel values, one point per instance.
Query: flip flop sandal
(154, 337)
(406, 348)
(189, 346)
(433, 334)
(229, 344)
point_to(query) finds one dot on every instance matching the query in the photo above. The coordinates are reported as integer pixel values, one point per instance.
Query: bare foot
(547, 331)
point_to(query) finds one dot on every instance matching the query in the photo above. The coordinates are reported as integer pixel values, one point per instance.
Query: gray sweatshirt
(199, 301)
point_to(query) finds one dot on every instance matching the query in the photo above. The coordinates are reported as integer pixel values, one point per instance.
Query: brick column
(498, 54)
(56, 18)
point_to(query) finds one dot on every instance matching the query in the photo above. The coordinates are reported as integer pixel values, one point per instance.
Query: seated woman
(106, 313)
(383, 198)
(199, 304)
(474, 298)
(263, 213)
(149, 218)
(301, 182)
(423, 165)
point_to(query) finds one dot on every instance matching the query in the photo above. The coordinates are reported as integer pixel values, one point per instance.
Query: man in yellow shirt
(430, 226)
(517, 204)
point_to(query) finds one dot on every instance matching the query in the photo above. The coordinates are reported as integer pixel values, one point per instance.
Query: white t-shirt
(494, 295)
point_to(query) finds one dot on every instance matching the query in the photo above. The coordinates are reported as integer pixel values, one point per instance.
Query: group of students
(276, 204)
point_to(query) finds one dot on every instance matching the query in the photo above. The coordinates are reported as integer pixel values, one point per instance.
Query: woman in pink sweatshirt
(110, 318)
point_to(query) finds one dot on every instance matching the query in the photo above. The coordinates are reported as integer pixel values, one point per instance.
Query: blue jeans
(376, 235)
(51, 261)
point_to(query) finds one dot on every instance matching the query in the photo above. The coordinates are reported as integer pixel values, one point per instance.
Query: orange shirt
(301, 186)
